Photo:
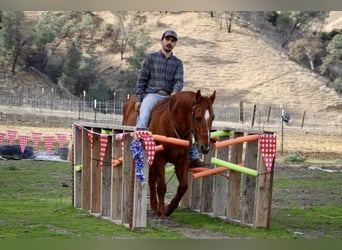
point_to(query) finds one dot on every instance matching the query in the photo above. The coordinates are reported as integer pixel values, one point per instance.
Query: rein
(172, 121)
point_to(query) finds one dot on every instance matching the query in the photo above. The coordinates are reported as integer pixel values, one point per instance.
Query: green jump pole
(234, 167)
(220, 133)
(169, 170)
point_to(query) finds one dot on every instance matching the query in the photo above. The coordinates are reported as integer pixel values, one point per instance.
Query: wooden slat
(207, 187)
(117, 185)
(140, 200)
(86, 170)
(263, 197)
(127, 179)
(233, 206)
(106, 179)
(221, 185)
(77, 145)
(248, 195)
(96, 174)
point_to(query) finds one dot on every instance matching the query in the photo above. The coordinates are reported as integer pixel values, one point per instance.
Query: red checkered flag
(2, 136)
(49, 140)
(90, 136)
(23, 140)
(149, 144)
(268, 149)
(36, 139)
(103, 141)
(12, 135)
(61, 138)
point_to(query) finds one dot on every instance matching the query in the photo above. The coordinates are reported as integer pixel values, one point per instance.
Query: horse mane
(176, 111)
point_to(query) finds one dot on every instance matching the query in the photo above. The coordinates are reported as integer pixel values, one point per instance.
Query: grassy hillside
(243, 65)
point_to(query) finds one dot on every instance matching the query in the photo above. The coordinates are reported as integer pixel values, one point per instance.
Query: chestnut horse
(182, 115)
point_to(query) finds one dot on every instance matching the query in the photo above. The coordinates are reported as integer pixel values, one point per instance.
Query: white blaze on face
(206, 117)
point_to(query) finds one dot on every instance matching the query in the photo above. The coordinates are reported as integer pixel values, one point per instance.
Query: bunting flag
(12, 135)
(149, 144)
(23, 140)
(268, 149)
(36, 139)
(2, 136)
(49, 140)
(90, 136)
(103, 142)
(61, 138)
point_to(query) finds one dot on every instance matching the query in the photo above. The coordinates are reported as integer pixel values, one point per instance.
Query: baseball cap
(170, 33)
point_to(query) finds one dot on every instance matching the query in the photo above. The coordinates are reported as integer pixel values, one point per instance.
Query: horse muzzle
(204, 149)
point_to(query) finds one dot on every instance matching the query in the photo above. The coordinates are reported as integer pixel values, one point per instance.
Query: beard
(168, 48)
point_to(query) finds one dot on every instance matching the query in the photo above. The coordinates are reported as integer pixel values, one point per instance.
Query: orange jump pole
(162, 138)
(208, 172)
(237, 140)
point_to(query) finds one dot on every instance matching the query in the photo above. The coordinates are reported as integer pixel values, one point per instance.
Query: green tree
(89, 72)
(118, 34)
(12, 40)
(307, 50)
(139, 42)
(334, 54)
(290, 21)
(71, 67)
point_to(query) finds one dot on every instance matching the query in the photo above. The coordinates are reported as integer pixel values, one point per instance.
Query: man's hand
(137, 106)
(173, 92)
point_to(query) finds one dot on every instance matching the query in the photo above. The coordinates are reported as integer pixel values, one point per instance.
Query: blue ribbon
(138, 155)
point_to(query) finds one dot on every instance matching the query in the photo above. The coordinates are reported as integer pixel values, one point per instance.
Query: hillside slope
(242, 65)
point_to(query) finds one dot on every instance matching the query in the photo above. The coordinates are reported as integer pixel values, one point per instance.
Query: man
(160, 76)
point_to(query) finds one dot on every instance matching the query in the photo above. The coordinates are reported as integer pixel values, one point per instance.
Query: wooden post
(86, 170)
(233, 205)
(248, 195)
(302, 125)
(96, 173)
(263, 195)
(106, 179)
(241, 112)
(207, 192)
(127, 191)
(77, 145)
(221, 187)
(116, 184)
(140, 199)
(253, 117)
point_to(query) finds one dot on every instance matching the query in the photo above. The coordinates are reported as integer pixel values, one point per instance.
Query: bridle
(192, 129)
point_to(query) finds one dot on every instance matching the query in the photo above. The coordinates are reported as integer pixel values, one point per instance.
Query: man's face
(168, 43)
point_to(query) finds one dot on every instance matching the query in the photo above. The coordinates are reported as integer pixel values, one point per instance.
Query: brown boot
(198, 163)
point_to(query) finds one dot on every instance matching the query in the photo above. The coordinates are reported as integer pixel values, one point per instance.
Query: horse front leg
(182, 176)
(161, 190)
(152, 182)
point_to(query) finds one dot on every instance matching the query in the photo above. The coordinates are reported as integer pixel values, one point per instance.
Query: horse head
(202, 119)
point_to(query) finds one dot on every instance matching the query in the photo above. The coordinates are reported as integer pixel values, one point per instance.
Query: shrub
(294, 158)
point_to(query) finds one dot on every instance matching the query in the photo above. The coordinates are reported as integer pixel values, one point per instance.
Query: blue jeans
(149, 101)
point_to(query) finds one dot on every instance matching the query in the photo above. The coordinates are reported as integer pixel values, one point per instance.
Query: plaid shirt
(159, 73)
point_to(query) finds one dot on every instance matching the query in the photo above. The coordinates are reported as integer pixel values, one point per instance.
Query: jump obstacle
(105, 181)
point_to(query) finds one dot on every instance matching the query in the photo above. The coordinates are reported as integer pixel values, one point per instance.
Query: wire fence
(52, 110)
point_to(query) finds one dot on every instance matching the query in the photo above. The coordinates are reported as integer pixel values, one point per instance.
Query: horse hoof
(162, 217)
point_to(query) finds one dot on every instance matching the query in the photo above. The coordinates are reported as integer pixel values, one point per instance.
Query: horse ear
(198, 95)
(212, 97)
